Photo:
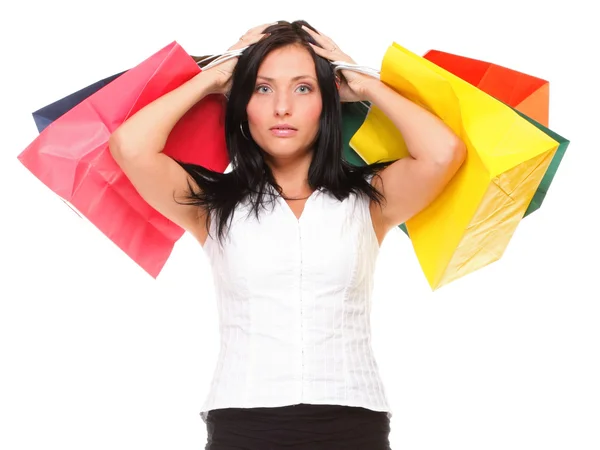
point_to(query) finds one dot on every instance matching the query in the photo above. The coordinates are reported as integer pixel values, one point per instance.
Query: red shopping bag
(72, 158)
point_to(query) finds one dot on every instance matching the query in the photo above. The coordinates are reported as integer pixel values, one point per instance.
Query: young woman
(292, 233)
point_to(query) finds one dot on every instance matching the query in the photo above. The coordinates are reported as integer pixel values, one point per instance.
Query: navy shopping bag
(48, 114)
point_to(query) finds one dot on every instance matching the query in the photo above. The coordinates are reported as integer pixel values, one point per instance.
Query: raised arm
(137, 145)
(436, 153)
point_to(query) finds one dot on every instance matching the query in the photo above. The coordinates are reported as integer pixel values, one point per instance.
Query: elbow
(120, 149)
(459, 152)
(114, 146)
(453, 155)
(123, 146)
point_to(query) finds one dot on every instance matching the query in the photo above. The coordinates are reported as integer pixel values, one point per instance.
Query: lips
(283, 130)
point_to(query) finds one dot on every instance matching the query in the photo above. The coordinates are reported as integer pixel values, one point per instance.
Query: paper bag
(71, 155)
(353, 116)
(527, 94)
(470, 224)
(49, 113)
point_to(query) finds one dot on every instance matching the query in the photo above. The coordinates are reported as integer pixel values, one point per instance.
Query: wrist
(206, 83)
(371, 87)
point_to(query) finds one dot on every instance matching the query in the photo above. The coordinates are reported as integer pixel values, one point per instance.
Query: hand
(353, 84)
(221, 73)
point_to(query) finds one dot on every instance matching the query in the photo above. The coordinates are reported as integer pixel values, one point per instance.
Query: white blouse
(294, 302)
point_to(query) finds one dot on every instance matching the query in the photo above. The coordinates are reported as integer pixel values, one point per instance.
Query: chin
(283, 154)
(283, 148)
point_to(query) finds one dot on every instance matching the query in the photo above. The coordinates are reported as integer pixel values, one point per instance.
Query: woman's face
(284, 110)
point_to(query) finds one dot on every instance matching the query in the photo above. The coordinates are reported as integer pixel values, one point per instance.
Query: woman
(292, 233)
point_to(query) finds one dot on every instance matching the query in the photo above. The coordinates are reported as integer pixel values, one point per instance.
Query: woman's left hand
(353, 84)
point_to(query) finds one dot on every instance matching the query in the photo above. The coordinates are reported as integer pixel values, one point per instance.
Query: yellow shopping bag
(471, 223)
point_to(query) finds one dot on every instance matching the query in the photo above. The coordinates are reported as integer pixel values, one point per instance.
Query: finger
(316, 36)
(262, 28)
(321, 51)
(252, 33)
(320, 38)
(256, 32)
(248, 40)
(327, 44)
(251, 39)
(260, 37)
(312, 32)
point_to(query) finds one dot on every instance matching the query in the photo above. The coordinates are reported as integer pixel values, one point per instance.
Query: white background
(95, 354)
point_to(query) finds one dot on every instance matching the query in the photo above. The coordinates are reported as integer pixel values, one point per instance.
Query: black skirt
(298, 427)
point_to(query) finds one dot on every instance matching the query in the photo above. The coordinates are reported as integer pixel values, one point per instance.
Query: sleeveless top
(294, 303)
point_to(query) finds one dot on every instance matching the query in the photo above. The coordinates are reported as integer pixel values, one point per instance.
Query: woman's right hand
(221, 73)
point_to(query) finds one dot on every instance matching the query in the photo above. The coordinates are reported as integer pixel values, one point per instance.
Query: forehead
(287, 62)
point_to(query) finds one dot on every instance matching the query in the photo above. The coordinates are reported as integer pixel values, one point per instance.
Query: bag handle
(220, 57)
(339, 65)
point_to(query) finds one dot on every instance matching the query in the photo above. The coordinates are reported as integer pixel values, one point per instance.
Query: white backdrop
(95, 354)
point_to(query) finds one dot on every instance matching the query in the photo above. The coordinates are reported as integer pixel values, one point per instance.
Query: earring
(338, 81)
(242, 130)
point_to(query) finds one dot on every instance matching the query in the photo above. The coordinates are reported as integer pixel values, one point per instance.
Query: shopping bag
(527, 94)
(71, 155)
(470, 224)
(353, 116)
(49, 113)
(542, 190)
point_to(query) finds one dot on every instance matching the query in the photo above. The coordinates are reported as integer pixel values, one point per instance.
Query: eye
(258, 89)
(306, 88)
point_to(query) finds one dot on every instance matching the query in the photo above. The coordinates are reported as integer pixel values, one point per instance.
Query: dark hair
(251, 178)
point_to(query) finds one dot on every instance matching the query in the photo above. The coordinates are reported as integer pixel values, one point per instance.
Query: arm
(137, 148)
(138, 143)
(436, 153)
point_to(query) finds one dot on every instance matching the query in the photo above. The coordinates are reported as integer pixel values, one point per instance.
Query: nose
(283, 104)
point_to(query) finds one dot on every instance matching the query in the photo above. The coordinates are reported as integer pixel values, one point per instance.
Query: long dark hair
(251, 178)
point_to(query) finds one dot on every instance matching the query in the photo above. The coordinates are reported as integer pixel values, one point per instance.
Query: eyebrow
(299, 77)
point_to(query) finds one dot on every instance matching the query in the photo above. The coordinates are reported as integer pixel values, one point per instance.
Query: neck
(292, 176)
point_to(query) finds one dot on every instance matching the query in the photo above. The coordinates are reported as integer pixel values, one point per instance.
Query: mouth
(283, 127)
(283, 130)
